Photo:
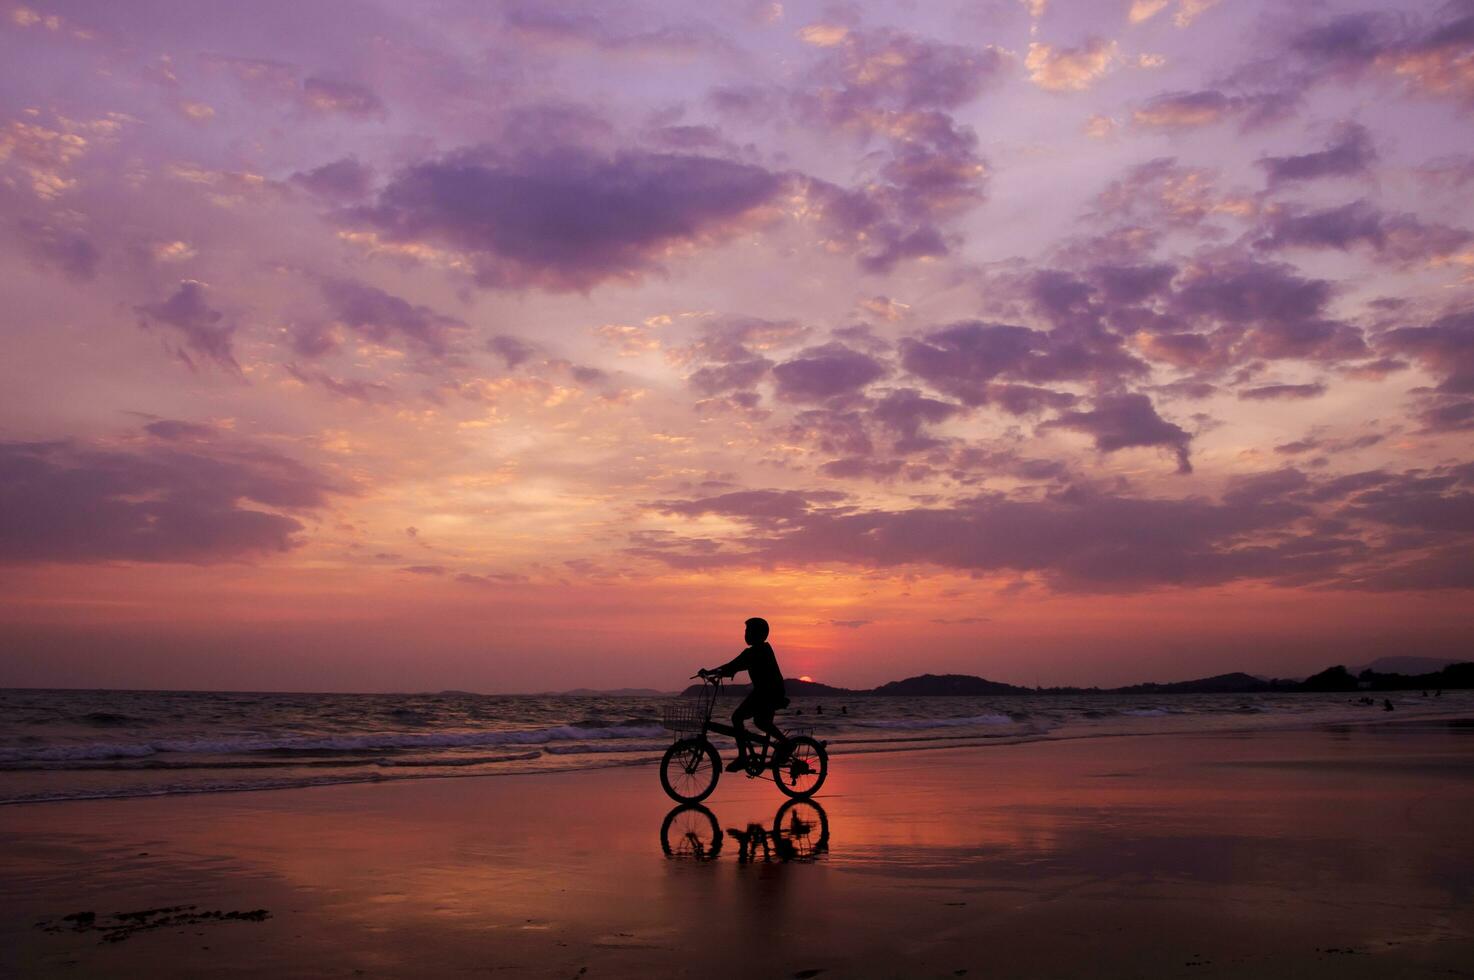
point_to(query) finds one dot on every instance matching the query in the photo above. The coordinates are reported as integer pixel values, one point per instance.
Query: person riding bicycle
(767, 689)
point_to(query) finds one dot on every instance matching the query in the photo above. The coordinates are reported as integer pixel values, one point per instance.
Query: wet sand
(1343, 852)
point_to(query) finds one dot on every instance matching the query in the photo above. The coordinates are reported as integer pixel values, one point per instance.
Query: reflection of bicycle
(800, 833)
(690, 831)
(691, 766)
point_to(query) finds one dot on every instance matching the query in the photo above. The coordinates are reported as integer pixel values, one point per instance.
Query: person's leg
(744, 711)
(763, 720)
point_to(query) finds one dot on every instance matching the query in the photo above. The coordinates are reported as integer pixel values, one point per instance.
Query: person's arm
(733, 666)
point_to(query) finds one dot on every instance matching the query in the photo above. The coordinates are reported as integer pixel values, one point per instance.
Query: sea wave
(88, 745)
(919, 723)
(366, 742)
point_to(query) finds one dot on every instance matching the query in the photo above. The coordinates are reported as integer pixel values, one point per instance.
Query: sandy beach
(1334, 851)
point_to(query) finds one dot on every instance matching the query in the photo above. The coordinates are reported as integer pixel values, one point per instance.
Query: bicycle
(800, 834)
(690, 768)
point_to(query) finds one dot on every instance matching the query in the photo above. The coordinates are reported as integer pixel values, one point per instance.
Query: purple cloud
(854, 467)
(1444, 347)
(1123, 421)
(344, 180)
(567, 219)
(67, 502)
(174, 430)
(514, 351)
(1429, 60)
(1349, 154)
(540, 23)
(764, 507)
(1280, 526)
(383, 317)
(892, 70)
(899, 86)
(1206, 107)
(203, 331)
(51, 247)
(1077, 541)
(971, 360)
(1451, 415)
(1272, 310)
(1398, 236)
(817, 373)
(353, 389)
(833, 431)
(731, 376)
(1133, 283)
(964, 358)
(906, 410)
(1282, 392)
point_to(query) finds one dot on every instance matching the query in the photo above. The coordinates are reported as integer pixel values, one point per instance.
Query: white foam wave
(918, 723)
(367, 742)
(605, 748)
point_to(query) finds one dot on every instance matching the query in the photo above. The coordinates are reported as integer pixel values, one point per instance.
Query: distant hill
(1235, 683)
(1338, 678)
(1405, 665)
(946, 685)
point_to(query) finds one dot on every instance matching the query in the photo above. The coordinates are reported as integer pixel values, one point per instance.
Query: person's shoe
(737, 764)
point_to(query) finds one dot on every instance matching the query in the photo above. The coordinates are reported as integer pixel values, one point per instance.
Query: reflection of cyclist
(767, 689)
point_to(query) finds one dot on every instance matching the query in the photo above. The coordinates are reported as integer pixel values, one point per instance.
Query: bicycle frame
(757, 742)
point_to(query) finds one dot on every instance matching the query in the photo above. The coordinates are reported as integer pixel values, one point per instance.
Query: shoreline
(1319, 853)
(895, 746)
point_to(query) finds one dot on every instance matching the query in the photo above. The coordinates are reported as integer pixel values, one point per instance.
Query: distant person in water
(767, 694)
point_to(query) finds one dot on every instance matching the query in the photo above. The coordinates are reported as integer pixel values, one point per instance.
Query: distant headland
(1332, 679)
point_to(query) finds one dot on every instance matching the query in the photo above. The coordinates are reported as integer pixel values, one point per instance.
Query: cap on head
(757, 630)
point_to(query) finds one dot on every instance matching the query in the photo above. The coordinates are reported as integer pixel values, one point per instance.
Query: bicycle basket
(690, 713)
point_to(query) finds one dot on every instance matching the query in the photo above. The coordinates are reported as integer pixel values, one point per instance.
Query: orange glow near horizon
(323, 371)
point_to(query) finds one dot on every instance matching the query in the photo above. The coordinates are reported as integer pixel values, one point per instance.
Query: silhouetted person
(844, 710)
(1386, 704)
(749, 840)
(820, 709)
(767, 694)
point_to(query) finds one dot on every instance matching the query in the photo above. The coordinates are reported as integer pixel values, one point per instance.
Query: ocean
(74, 744)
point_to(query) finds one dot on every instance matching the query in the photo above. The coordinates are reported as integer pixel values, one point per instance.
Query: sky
(509, 346)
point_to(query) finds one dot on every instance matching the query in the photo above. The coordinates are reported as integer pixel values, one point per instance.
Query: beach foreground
(1341, 851)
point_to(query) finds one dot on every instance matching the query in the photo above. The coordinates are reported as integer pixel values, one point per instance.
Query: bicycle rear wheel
(802, 768)
(801, 830)
(689, 770)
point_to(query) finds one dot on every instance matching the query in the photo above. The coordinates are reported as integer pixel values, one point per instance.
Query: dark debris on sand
(120, 925)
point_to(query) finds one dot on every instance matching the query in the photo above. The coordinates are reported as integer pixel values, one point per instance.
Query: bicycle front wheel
(691, 831)
(803, 768)
(689, 770)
